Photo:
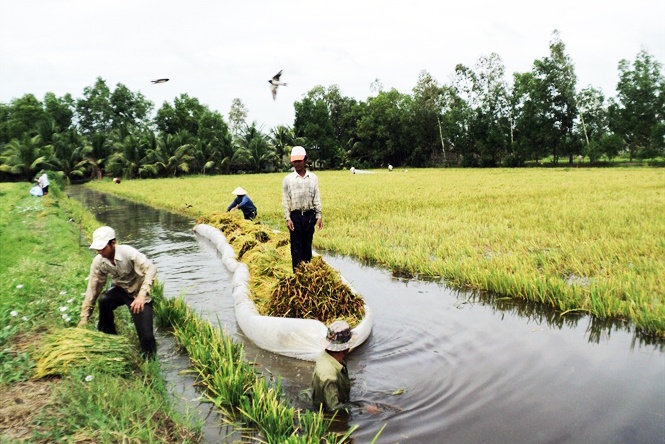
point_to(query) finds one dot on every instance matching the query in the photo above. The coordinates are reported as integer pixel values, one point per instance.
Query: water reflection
(442, 365)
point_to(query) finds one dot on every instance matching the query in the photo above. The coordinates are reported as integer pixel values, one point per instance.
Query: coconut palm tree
(96, 153)
(172, 154)
(23, 157)
(282, 139)
(254, 149)
(131, 158)
(67, 155)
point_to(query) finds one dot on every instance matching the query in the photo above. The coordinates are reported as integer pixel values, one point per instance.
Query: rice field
(577, 239)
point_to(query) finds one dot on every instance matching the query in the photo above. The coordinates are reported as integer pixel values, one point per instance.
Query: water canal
(444, 366)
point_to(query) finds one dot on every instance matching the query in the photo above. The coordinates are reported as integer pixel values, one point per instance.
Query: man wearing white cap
(243, 203)
(301, 201)
(132, 275)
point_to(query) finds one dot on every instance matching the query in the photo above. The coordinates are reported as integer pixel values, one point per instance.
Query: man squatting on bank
(132, 275)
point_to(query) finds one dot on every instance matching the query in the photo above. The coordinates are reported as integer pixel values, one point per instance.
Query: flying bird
(160, 81)
(274, 83)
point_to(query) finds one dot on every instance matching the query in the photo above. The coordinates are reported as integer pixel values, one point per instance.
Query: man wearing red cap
(301, 201)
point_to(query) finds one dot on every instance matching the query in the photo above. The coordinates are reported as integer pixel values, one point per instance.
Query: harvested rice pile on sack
(315, 291)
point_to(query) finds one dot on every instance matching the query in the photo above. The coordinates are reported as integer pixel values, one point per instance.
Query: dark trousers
(301, 236)
(114, 298)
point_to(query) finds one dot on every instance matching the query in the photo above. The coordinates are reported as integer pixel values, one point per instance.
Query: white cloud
(216, 51)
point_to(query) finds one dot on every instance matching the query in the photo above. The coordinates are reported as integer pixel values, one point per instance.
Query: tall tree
(213, 143)
(383, 130)
(237, 117)
(486, 92)
(183, 115)
(593, 118)
(313, 123)
(60, 109)
(545, 101)
(638, 115)
(24, 115)
(130, 110)
(426, 114)
(94, 111)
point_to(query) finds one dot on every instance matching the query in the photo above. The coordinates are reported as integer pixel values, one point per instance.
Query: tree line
(477, 119)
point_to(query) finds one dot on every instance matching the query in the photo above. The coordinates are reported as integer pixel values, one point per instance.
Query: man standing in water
(302, 207)
(132, 275)
(330, 383)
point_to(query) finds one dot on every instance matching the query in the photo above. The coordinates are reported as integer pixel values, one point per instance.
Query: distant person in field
(301, 201)
(132, 276)
(43, 183)
(243, 203)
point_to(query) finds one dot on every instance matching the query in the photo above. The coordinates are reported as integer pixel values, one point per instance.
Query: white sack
(297, 338)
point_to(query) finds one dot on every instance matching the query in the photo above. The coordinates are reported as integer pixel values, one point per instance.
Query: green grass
(235, 387)
(102, 396)
(577, 239)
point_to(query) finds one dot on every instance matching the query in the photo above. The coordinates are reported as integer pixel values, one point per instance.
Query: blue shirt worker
(301, 201)
(243, 203)
(331, 386)
(132, 276)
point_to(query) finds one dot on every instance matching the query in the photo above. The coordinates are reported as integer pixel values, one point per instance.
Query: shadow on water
(442, 365)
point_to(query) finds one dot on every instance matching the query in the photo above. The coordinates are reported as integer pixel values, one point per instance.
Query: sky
(217, 50)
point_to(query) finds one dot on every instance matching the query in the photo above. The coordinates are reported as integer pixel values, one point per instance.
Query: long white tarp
(297, 338)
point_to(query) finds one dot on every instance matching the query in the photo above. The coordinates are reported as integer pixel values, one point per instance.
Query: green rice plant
(265, 408)
(549, 235)
(66, 349)
(235, 387)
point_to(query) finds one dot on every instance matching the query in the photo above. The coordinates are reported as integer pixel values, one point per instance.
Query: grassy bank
(589, 240)
(109, 396)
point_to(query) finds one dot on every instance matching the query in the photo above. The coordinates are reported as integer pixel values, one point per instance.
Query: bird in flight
(160, 81)
(274, 83)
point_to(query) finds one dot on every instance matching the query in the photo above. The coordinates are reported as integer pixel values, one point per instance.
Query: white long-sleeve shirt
(301, 193)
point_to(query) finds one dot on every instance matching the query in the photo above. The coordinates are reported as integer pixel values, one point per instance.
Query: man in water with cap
(132, 275)
(243, 203)
(301, 201)
(330, 383)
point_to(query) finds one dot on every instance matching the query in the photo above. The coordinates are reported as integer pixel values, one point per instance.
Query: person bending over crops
(302, 207)
(243, 203)
(132, 275)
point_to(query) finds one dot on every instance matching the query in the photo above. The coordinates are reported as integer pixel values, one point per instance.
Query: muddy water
(443, 366)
